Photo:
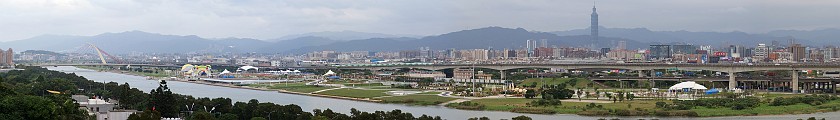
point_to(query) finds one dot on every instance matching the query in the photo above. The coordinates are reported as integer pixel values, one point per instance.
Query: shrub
(594, 113)
(544, 102)
(533, 110)
(808, 99)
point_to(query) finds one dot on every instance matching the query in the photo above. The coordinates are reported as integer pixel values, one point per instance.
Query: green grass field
(356, 93)
(507, 104)
(581, 82)
(418, 99)
(571, 107)
(294, 87)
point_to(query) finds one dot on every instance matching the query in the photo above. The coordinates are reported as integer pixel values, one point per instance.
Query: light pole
(269, 114)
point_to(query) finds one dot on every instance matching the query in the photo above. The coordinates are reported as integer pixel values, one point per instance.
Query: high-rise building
(594, 27)
(828, 53)
(660, 52)
(761, 52)
(684, 49)
(798, 52)
(544, 52)
(543, 43)
(7, 58)
(2, 58)
(530, 46)
(604, 52)
(622, 45)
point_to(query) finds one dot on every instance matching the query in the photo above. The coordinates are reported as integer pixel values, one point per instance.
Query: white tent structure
(329, 73)
(690, 85)
(224, 72)
(686, 87)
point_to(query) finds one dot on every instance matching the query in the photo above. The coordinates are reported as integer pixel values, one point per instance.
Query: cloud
(265, 19)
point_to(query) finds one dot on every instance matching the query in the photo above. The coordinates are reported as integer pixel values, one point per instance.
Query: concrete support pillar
(652, 83)
(732, 82)
(502, 74)
(652, 73)
(641, 73)
(794, 83)
(831, 86)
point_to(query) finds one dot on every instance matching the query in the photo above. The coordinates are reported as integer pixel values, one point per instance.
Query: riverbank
(521, 102)
(344, 106)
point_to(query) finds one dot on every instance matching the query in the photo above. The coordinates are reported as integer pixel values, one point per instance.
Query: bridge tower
(102, 54)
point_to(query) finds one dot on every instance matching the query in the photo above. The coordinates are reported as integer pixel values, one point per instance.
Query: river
(309, 103)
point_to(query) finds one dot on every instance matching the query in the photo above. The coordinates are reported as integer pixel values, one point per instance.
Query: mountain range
(484, 38)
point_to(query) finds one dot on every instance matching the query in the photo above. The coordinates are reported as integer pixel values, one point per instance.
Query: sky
(266, 19)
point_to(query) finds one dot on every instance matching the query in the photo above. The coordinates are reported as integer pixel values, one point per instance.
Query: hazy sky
(264, 19)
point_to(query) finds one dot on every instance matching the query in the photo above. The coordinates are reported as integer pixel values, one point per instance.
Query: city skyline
(274, 19)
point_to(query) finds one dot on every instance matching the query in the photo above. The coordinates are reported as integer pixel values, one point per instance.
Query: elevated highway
(730, 68)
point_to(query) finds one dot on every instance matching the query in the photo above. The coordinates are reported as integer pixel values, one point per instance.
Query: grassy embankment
(425, 98)
(152, 74)
(355, 93)
(649, 106)
(294, 87)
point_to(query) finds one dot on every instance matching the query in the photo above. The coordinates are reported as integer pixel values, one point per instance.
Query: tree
(163, 101)
(661, 104)
(521, 117)
(201, 115)
(145, 115)
(557, 93)
(620, 96)
(27, 108)
(529, 93)
(597, 94)
(482, 118)
(228, 116)
(258, 118)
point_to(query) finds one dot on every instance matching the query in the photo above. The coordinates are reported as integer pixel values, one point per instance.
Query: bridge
(730, 68)
(150, 65)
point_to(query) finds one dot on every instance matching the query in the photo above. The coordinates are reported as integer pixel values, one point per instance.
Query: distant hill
(482, 38)
(716, 39)
(342, 35)
(818, 37)
(42, 52)
(138, 41)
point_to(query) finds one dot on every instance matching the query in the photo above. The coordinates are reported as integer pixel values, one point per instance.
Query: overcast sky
(265, 19)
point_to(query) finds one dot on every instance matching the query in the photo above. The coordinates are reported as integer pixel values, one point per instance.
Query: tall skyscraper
(531, 45)
(594, 27)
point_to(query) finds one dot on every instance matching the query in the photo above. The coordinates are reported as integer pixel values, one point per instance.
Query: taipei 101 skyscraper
(594, 27)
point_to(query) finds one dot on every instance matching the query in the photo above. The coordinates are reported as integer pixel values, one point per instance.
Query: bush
(808, 99)
(621, 112)
(687, 113)
(594, 113)
(735, 104)
(544, 102)
(521, 117)
(533, 110)
(467, 105)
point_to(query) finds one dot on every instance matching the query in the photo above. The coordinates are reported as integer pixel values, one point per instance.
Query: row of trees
(24, 95)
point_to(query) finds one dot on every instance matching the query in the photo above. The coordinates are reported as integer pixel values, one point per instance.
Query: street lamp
(269, 114)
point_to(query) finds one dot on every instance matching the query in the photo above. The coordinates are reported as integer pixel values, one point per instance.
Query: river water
(309, 102)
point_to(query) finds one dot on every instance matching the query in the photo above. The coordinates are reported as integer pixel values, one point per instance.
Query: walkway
(326, 90)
